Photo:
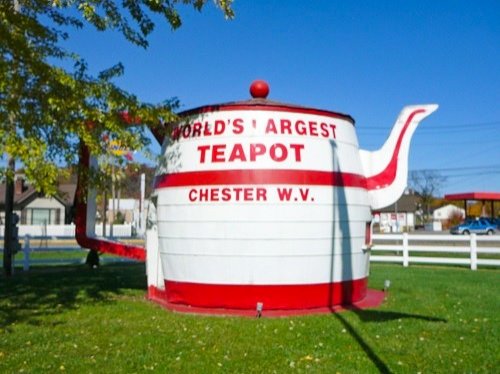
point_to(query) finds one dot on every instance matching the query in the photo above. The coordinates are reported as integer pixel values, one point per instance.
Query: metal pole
(112, 220)
(397, 218)
(105, 211)
(142, 221)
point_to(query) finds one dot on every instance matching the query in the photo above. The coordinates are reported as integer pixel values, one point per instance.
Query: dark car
(477, 226)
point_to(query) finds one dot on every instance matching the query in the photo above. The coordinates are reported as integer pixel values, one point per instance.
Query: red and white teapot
(259, 202)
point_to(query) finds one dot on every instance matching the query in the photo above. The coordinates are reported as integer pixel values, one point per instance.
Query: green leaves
(46, 110)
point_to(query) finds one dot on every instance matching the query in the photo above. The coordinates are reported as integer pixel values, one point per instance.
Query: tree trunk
(9, 210)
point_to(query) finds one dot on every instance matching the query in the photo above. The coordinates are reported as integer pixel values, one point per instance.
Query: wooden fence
(68, 231)
(470, 250)
(72, 253)
(405, 249)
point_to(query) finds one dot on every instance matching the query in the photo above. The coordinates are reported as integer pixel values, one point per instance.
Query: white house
(399, 216)
(129, 208)
(36, 209)
(445, 212)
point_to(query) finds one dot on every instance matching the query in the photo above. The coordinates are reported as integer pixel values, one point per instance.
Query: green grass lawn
(73, 319)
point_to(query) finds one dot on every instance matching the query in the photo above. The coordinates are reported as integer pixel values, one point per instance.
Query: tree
(133, 173)
(47, 110)
(426, 183)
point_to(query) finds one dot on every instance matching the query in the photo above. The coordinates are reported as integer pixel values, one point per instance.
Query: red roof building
(484, 197)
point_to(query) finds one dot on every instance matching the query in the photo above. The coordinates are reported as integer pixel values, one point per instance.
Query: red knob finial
(259, 89)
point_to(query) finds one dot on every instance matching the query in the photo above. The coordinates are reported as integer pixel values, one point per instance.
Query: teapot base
(307, 299)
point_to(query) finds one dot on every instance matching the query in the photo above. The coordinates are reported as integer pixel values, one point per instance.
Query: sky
(365, 58)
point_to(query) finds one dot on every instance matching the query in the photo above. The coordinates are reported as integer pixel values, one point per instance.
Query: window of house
(41, 216)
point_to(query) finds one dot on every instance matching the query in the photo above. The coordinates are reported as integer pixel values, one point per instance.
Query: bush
(454, 219)
(119, 219)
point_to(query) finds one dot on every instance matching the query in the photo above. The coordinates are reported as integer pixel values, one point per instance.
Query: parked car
(477, 226)
(493, 221)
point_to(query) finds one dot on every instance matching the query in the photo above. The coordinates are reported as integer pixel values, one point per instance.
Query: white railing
(426, 249)
(428, 245)
(67, 231)
(29, 248)
(119, 231)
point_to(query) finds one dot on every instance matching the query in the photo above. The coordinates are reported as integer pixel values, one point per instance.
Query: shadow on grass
(366, 315)
(25, 297)
(374, 358)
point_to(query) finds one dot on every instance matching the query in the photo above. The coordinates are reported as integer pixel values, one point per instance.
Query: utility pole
(142, 217)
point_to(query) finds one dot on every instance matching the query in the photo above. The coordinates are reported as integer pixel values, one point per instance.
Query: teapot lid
(259, 90)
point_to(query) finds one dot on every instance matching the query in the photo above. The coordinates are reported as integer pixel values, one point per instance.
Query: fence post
(26, 251)
(473, 252)
(406, 254)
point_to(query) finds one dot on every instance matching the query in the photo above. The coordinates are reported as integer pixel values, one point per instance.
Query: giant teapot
(262, 204)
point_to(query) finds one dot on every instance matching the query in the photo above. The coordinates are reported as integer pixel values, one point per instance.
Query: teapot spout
(386, 170)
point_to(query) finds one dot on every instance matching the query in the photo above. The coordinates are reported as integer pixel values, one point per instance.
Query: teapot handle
(85, 218)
